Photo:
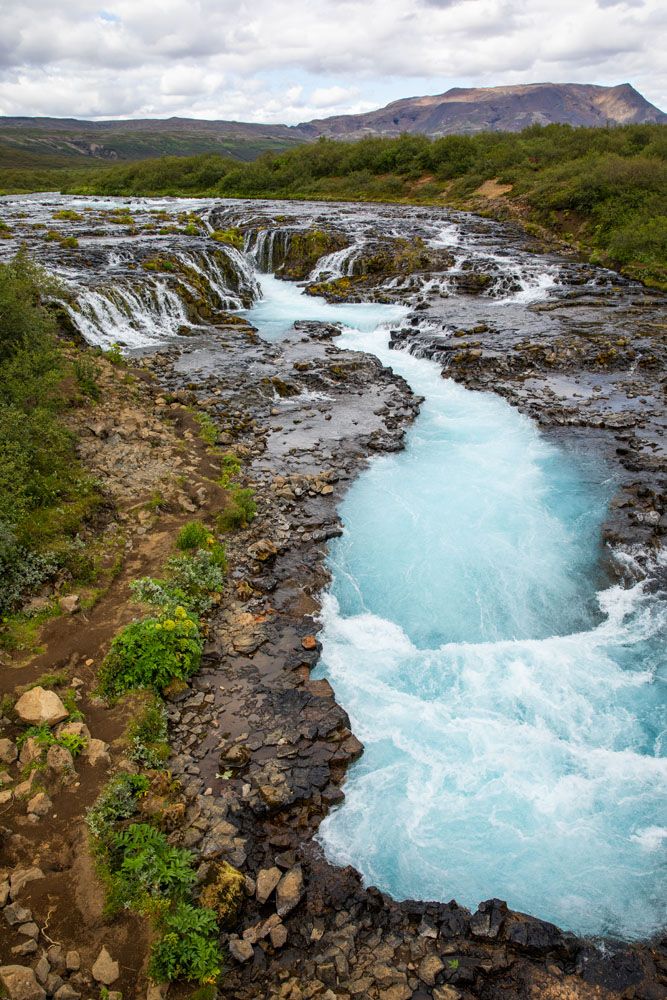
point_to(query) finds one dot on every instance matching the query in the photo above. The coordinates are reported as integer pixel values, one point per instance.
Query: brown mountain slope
(496, 109)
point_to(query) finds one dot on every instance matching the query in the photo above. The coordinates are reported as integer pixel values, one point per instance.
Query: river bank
(269, 745)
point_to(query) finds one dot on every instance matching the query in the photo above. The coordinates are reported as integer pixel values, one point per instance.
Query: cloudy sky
(277, 61)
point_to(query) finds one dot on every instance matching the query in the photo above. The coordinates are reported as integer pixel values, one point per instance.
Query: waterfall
(268, 247)
(139, 310)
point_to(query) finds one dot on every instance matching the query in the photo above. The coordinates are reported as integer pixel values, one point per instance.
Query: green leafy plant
(144, 867)
(192, 535)
(187, 946)
(117, 801)
(148, 736)
(45, 738)
(191, 582)
(152, 653)
(230, 466)
(240, 511)
(114, 354)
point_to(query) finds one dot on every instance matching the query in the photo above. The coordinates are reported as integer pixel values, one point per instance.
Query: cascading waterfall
(267, 247)
(137, 316)
(149, 310)
(338, 264)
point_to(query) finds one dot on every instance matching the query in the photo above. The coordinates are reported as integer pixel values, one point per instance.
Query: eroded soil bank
(261, 749)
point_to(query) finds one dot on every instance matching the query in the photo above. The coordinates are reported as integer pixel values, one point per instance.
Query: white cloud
(271, 61)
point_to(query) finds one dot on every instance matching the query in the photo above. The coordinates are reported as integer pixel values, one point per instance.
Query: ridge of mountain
(26, 141)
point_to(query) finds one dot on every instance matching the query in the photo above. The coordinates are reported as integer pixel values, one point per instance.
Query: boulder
(70, 604)
(59, 759)
(97, 753)
(429, 969)
(105, 970)
(290, 891)
(263, 550)
(267, 880)
(20, 983)
(8, 751)
(72, 961)
(40, 804)
(242, 951)
(39, 706)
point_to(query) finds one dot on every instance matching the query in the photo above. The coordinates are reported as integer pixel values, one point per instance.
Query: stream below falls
(509, 710)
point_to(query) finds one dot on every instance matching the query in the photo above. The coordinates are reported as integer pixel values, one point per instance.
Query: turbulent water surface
(508, 697)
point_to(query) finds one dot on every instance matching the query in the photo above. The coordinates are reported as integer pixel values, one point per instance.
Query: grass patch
(240, 510)
(193, 535)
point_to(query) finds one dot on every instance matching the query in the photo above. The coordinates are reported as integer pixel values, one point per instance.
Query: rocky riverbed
(261, 748)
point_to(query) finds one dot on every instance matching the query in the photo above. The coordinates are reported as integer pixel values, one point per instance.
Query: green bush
(117, 802)
(192, 535)
(191, 581)
(144, 867)
(43, 495)
(152, 653)
(240, 511)
(187, 947)
(148, 737)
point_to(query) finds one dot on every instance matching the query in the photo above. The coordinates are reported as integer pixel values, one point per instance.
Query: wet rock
(488, 919)
(39, 706)
(20, 983)
(290, 891)
(267, 880)
(534, 935)
(105, 970)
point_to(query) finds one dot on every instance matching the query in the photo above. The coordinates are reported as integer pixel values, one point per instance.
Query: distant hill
(35, 142)
(496, 109)
(69, 141)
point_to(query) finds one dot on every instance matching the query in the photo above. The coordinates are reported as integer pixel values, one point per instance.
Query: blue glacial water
(512, 713)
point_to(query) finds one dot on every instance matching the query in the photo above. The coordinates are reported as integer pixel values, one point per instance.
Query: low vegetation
(45, 494)
(602, 189)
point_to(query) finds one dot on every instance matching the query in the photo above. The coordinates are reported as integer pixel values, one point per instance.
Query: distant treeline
(602, 189)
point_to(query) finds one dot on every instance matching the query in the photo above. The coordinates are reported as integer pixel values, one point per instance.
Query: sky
(276, 61)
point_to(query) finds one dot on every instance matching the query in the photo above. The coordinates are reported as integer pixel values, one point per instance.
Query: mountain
(506, 109)
(50, 142)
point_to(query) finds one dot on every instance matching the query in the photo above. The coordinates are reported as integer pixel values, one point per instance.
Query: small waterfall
(268, 247)
(138, 316)
(339, 264)
(142, 310)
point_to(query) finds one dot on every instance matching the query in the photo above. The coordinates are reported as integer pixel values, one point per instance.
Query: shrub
(230, 467)
(192, 535)
(240, 511)
(191, 582)
(151, 654)
(144, 867)
(148, 737)
(187, 947)
(118, 801)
